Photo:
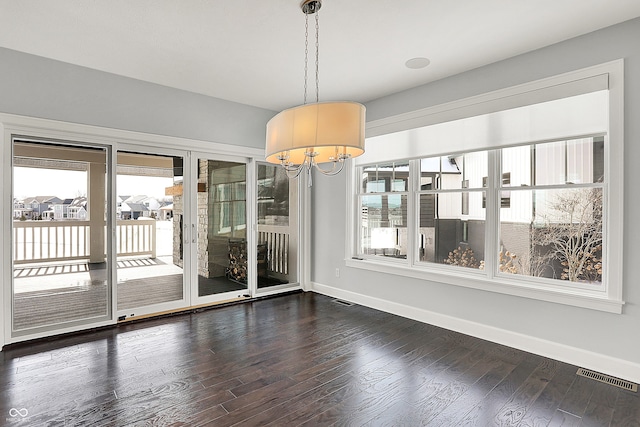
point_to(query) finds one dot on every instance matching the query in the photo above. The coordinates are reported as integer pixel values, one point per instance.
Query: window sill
(594, 300)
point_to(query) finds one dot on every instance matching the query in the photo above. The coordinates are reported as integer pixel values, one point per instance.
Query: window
(450, 211)
(527, 199)
(383, 210)
(273, 196)
(550, 219)
(230, 205)
(554, 228)
(548, 211)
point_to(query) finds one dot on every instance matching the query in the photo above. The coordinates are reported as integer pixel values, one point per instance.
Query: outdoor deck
(56, 293)
(55, 283)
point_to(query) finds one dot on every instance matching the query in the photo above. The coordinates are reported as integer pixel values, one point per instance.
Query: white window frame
(407, 194)
(610, 297)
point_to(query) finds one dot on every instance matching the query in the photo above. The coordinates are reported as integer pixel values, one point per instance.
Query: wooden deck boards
(55, 294)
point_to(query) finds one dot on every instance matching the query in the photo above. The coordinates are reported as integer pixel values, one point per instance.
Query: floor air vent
(345, 303)
(627, 385)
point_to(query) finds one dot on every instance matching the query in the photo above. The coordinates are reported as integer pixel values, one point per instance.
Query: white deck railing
(50, 241)
(44, 241)
(277, 247)
(134, 237)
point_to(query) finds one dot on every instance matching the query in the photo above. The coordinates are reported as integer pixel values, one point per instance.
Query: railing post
(96, 202)
(153, 239)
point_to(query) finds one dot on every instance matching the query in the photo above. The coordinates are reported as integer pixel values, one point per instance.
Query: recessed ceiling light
(417, 63)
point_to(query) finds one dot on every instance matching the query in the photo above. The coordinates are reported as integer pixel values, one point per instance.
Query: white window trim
(611, 298)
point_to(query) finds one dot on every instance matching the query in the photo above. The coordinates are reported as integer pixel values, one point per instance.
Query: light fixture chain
(317, 56)
(306, 54)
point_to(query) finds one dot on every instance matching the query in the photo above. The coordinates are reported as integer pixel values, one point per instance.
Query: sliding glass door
(172, 230)
(220, 230)
(60, 247)
(277, 228)
(149, 233)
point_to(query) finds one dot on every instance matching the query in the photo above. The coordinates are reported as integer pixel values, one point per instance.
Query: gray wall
(39, 87)
(604, 333)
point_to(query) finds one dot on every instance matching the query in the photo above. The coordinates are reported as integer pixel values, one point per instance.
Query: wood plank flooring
(300, 359)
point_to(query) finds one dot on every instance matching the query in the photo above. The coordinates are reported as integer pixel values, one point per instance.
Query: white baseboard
(619, 368)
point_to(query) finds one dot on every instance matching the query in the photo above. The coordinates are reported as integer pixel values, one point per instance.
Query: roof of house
(42, 199)
(134, 207)
(137, 199)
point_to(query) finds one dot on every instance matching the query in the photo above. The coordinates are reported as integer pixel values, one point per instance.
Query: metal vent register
(627, 385)
(345, 303)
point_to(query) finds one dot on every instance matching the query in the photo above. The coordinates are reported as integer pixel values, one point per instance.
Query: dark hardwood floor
(300, 359)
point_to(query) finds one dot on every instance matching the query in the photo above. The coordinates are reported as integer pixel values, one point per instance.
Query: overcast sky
(31, 182)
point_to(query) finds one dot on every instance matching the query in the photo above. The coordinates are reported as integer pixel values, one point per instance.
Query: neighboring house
(78, 209)
(48, 215)
(142, 204)
(20, 212)
(149, 201)
(119, 201)
(131, 210)
(60, 210)
(166, 211)
(153, 205)
(40, 204)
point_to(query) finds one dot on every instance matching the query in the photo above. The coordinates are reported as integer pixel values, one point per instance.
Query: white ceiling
(252, 51)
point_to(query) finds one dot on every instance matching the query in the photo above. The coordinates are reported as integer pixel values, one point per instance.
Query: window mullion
(357, 233)
(492, 214)
(412, 212)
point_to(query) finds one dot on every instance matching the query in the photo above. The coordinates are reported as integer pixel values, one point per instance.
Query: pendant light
(306, 136)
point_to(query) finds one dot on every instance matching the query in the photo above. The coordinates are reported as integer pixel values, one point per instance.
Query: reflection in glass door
(61, 266)
(221, 228)
(149, 233)
(277, 252)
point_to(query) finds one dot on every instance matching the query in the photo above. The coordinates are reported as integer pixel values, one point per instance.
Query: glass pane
(430, 173)
(384, 225)
(222, 227)
(449, 236)
(148, 230)
(385, 178)
(277, 227)
(476, 166)
(577, 161)
(585, 160)
(555, 234)
(451, 176)
(550, 163)
(454, 172)
(273, 196)
(516, 162)
(59, 242)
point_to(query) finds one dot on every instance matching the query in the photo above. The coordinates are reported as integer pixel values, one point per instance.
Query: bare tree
(570, 229)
